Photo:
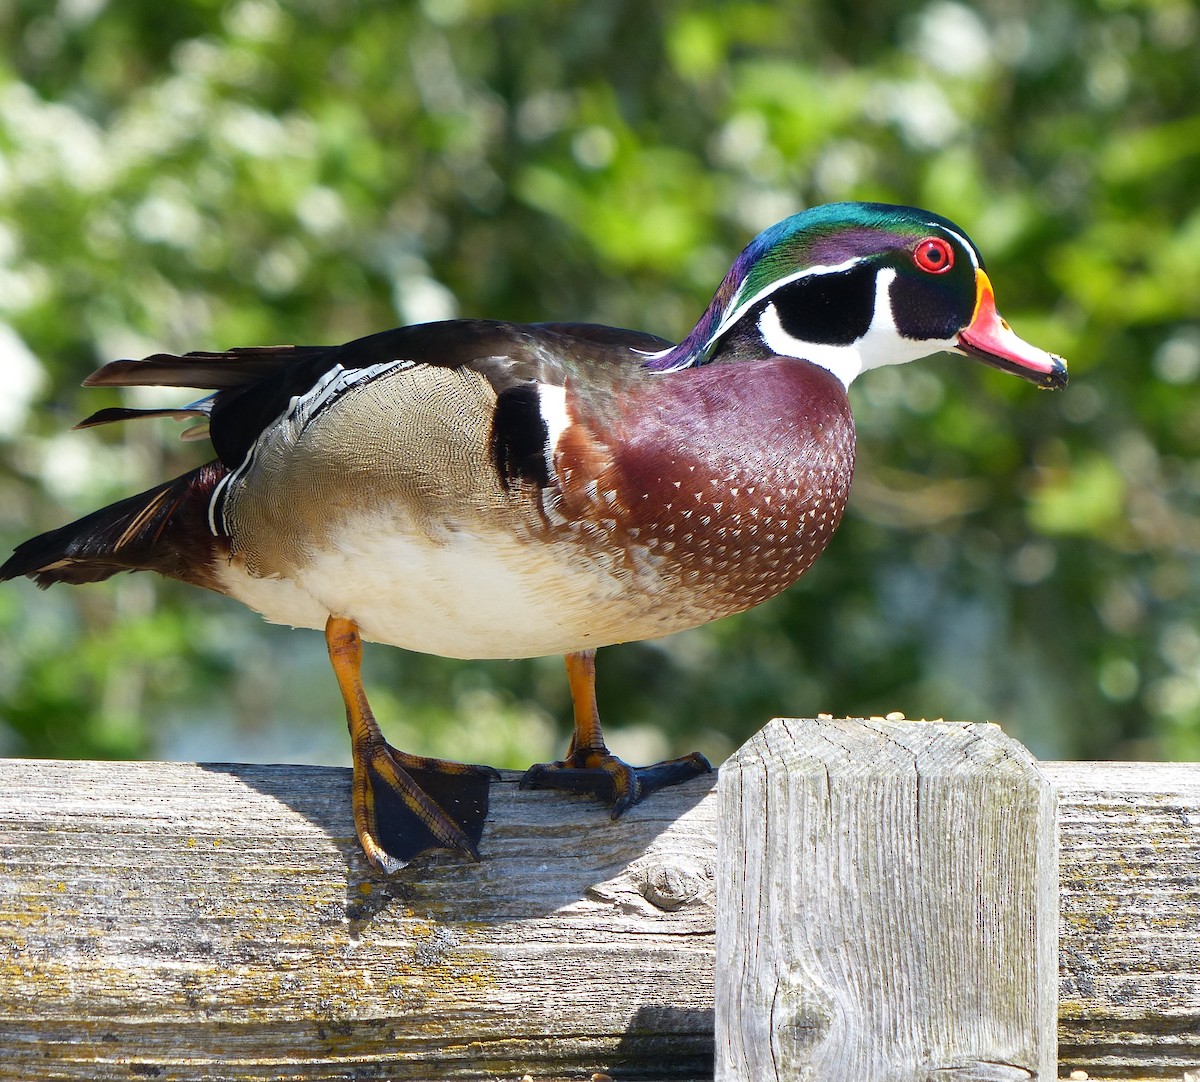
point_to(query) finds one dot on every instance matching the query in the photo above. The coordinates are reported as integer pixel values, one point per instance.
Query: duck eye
(934, 255)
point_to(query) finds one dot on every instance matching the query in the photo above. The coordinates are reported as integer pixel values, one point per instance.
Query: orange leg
(590, 767)
(399, 800)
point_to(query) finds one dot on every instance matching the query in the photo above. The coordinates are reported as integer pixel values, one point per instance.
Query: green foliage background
(203, 174)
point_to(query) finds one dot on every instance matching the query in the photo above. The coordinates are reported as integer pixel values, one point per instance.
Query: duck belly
(471, 595)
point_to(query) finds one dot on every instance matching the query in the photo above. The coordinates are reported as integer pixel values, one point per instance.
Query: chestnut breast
(729, 480)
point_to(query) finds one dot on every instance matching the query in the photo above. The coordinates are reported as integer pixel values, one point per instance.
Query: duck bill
(988, 338)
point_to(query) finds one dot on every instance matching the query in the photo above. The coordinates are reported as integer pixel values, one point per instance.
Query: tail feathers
(164, 529)
(113, 414)
(214, 371)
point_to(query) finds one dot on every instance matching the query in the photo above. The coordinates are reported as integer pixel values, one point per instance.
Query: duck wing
(254, 386)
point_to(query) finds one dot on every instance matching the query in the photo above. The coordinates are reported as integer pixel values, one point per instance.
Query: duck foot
(403, 804)
(410, 804)
(599, 772)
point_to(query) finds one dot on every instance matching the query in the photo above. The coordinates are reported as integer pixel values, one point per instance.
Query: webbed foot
(403, 804)
(614, 781)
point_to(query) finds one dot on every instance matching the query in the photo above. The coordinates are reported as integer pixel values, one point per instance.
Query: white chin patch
(881, 345)
(843, 361)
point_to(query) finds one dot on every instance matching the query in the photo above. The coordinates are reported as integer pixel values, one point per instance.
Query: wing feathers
(256, 386)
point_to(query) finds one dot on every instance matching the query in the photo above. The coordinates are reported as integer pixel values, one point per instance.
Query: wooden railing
(885, 906)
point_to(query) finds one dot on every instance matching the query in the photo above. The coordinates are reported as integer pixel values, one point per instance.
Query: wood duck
(480, 489)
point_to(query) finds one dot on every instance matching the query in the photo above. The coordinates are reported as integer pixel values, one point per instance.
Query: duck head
(853, 286)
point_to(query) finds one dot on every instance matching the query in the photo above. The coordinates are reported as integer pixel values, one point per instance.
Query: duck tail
(164, 529)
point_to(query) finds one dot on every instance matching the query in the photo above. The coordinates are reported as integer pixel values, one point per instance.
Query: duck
(476, 488)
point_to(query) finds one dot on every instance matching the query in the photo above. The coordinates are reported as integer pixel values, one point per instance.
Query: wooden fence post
(887, 906)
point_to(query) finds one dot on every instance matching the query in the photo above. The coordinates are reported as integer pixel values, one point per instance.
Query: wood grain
(194, 923)
(886, 906)
(188, 922)
(1129, 991)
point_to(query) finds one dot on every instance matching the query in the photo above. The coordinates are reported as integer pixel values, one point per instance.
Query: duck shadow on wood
(541, 853)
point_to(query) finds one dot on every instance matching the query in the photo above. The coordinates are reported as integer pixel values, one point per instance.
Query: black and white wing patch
(301, 411)
(529, 419)
(303, 408)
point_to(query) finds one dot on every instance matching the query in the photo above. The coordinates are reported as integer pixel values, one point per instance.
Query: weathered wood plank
(1129, 991)
(887, 902)
(218, 923)
(186, 922)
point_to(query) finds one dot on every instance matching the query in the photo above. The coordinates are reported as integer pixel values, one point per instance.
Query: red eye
(934, 255)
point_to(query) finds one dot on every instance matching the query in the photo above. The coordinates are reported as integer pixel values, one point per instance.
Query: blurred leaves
(210, 174)
(1086, 499)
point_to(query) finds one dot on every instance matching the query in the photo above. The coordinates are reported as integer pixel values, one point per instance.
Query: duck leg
(403, 804)
(590, 767)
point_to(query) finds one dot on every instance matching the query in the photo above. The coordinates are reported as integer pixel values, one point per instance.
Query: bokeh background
(201, 174)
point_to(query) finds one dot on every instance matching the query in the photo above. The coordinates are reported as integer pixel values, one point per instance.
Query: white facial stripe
(843, 361)
(883, 334)
(967, 246)
(767, 290)
(742, 308)
(881, 345)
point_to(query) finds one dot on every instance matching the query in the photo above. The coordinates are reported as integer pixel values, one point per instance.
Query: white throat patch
(881, 345)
